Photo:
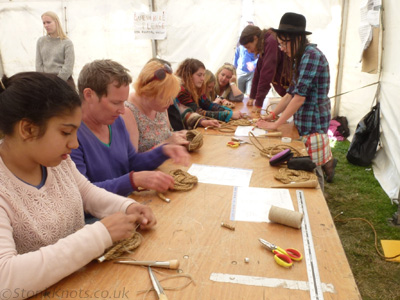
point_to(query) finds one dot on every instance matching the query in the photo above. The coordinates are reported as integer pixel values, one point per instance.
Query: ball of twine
(183, 181)
(286, 175)
(195, 139)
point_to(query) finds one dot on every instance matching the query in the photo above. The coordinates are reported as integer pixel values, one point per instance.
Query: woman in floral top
(146, 115)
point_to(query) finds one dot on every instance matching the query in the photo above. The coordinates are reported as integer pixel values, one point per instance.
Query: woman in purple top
(105, 154)
(269, 69)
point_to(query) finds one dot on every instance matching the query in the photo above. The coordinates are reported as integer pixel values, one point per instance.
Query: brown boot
(329, 169)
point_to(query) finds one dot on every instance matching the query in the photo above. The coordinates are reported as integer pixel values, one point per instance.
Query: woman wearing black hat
(269, 69)
(307, 98)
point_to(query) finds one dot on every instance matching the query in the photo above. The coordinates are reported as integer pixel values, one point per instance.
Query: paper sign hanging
(150, 25)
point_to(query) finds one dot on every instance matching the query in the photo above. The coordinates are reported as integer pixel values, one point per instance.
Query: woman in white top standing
(55, 51)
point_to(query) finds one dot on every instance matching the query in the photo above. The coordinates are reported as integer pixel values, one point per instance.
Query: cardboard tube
(285, 216)
(272, 133)
(304, 184)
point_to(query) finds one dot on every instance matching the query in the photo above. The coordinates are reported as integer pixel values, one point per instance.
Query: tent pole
(339, 78)
(153, 42)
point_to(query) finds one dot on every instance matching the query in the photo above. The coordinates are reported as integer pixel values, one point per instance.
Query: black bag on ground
(364, 145)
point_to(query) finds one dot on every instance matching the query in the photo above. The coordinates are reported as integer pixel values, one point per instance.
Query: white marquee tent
(208, 30)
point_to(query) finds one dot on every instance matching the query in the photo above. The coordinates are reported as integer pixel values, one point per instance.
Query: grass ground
(357, 194)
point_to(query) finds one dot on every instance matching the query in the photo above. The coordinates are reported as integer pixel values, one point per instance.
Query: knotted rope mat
(272, 150)
(286, 175)
(122, 247)
(183, 181)
(195, 139)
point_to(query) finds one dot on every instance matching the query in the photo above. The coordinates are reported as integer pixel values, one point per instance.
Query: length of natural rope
(122, 247)
(183, 181)
(230, 127)
(195, 139)
(271, 151)
(373, 229)
(288, 175)
(189, 277)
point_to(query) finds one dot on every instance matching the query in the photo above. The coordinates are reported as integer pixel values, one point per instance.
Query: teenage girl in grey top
(55, 51)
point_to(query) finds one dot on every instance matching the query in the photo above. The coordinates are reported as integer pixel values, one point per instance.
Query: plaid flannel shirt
(313, 83)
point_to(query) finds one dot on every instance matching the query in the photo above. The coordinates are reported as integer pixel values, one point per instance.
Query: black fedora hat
(292, 23)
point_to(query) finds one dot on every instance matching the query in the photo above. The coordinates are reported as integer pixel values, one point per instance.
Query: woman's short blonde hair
(161, 90)
(229, 67)
(60, 32)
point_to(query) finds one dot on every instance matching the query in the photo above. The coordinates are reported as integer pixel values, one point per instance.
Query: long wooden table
(189, 230)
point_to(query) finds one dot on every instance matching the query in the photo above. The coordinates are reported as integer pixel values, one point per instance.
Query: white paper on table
(221, 175)
(244, 131)
(252, 204)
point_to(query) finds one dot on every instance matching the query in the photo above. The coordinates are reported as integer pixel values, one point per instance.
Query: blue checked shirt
(313, 83)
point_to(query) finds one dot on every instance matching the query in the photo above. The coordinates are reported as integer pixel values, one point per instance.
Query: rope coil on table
(271, 151)
(183, 181)
(286, 175)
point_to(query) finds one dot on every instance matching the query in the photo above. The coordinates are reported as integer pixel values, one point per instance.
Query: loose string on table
(373, 229)
(178, 288)
(272, 150)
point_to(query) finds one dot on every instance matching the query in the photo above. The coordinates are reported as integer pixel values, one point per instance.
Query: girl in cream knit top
(43, 196)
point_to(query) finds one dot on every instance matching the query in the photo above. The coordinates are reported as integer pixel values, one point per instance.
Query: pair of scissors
(233, 144)
(157, 286)
(284, 257)
(240, 141)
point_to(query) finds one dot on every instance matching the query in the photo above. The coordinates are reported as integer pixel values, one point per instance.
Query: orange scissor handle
(233, 144)
(294, 254)
(282, 259)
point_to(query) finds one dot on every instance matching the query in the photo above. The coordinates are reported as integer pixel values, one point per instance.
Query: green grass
(357, 194)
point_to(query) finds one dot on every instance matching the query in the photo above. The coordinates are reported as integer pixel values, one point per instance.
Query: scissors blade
(156, 284)
(267, 244)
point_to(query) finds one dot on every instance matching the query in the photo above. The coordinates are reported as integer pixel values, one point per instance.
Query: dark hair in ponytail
(36, 97)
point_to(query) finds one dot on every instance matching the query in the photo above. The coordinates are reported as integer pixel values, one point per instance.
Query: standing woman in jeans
(307, 97)
(55, 51)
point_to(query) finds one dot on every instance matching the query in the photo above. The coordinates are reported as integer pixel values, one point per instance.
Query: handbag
(301, 163)
(365, 142)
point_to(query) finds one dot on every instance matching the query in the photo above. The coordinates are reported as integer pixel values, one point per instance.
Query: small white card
(221, 175)
(252, 204)
(244, 131)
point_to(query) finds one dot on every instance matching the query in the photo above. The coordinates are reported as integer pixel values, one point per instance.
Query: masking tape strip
(269, 282)
(286, 140)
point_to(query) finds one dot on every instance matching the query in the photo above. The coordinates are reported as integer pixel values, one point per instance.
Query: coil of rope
(286, 175)
(195, 139)
(271, 151)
